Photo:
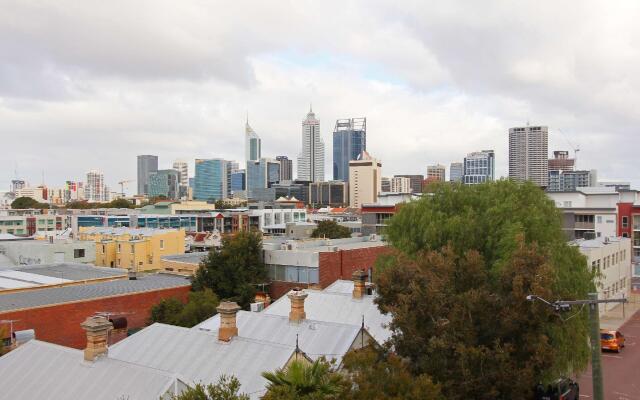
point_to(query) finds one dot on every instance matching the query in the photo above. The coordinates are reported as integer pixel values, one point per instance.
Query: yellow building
(137, 249)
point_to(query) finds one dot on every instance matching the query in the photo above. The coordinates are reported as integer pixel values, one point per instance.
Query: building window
(625, 234)
(625, 222)
(133, 249)
(119, 248)
(78, 253)
(104, 249)
(161, 244)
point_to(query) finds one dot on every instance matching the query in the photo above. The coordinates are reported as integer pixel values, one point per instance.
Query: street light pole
(596, 364)
(594, 332)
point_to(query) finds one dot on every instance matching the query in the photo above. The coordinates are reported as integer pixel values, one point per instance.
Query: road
(621, 370)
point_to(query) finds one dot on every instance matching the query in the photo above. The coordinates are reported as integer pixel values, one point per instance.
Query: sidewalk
(614, 318)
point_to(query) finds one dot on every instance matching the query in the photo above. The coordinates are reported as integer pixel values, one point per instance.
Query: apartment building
(134, 249)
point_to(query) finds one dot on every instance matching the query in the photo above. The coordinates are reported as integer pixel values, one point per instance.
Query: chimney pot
(359, 277)
(297, 297)
(97, 328)
(228, 326)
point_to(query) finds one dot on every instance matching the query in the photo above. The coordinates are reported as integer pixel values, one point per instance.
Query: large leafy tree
(466, 258)
(305, 381)
(380, 375)
(27, 202)
(201, 305)
(331, 230)
(227, 388)
(234, 271)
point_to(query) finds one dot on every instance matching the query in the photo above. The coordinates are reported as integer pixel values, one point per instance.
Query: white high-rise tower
(529, 154)
(311, 158)
(183, 168)
(95, 190)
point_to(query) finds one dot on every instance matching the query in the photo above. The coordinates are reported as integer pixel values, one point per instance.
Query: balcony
(585, 225)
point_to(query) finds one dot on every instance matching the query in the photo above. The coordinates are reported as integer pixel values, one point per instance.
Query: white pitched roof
(40, 370)
(199, 356)
(315, 338)
(341, 308)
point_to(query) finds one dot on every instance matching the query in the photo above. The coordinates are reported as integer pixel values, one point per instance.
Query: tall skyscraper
(261, 175)
(95, 189)
(365, 181)
(349, 141)
(286, 168)
(311, 158)
(165, 182)
(528, 154)
(183, 168)
(146, 165)
(456, 170)
(210, 181)
(479, 167)
(436, 172)
(252, 144)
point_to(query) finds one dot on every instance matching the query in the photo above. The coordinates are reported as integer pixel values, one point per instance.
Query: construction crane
(575, 149)
(122, 183)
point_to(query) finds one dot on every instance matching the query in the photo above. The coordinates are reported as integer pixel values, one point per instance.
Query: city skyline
(387, 67)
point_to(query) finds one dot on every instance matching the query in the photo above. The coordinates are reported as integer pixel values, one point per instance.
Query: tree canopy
(227, 388)
(376, 374)
(466, 258)
(201, 306)
(331, 230)
(234, 271)
(27, 202)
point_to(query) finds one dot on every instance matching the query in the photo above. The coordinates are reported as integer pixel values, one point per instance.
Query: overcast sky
(91, 84)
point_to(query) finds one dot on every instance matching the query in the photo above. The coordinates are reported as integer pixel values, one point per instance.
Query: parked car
(561, 389)
(611, 340)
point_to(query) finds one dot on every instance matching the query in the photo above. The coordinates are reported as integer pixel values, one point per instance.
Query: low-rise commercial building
(27, 224)
(55, 313)
(29, 252)
(610, 257)
(134, 249)
(317, 262)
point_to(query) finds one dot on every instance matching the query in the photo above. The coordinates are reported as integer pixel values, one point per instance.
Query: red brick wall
(60, 323)
(335, 265)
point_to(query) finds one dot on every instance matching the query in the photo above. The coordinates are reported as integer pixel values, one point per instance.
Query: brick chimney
(297, 296)
(97, 328)
(228, 327)
(359, 277)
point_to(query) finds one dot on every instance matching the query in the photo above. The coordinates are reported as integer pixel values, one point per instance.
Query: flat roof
(59, 295)
(190, 258)
(127, 231)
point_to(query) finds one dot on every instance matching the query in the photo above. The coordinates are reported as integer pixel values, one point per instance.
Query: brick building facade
(60, 323)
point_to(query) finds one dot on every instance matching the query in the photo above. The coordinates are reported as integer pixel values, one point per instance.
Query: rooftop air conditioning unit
(257, 307)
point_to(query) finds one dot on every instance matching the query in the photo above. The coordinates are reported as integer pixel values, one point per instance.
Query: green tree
(234, 271)
(379, 375)
(227, 388)
(80, 205)
(305, 381)
(119, 203)
(200, 306)
(466, 258)
(331, 230)
(27, 202)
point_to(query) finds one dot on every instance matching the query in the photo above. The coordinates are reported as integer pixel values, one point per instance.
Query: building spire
(310, 108)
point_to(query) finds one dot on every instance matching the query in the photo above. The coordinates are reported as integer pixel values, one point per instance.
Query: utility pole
(594, 332)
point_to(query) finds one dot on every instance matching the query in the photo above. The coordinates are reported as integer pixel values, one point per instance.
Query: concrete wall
(42, 252)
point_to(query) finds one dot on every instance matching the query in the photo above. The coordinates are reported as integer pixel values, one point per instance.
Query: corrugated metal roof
(72, 271)
(200, 357)
(48, 296)
(341, 308)
(40, 370)
(315, 338)
(340, 286)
